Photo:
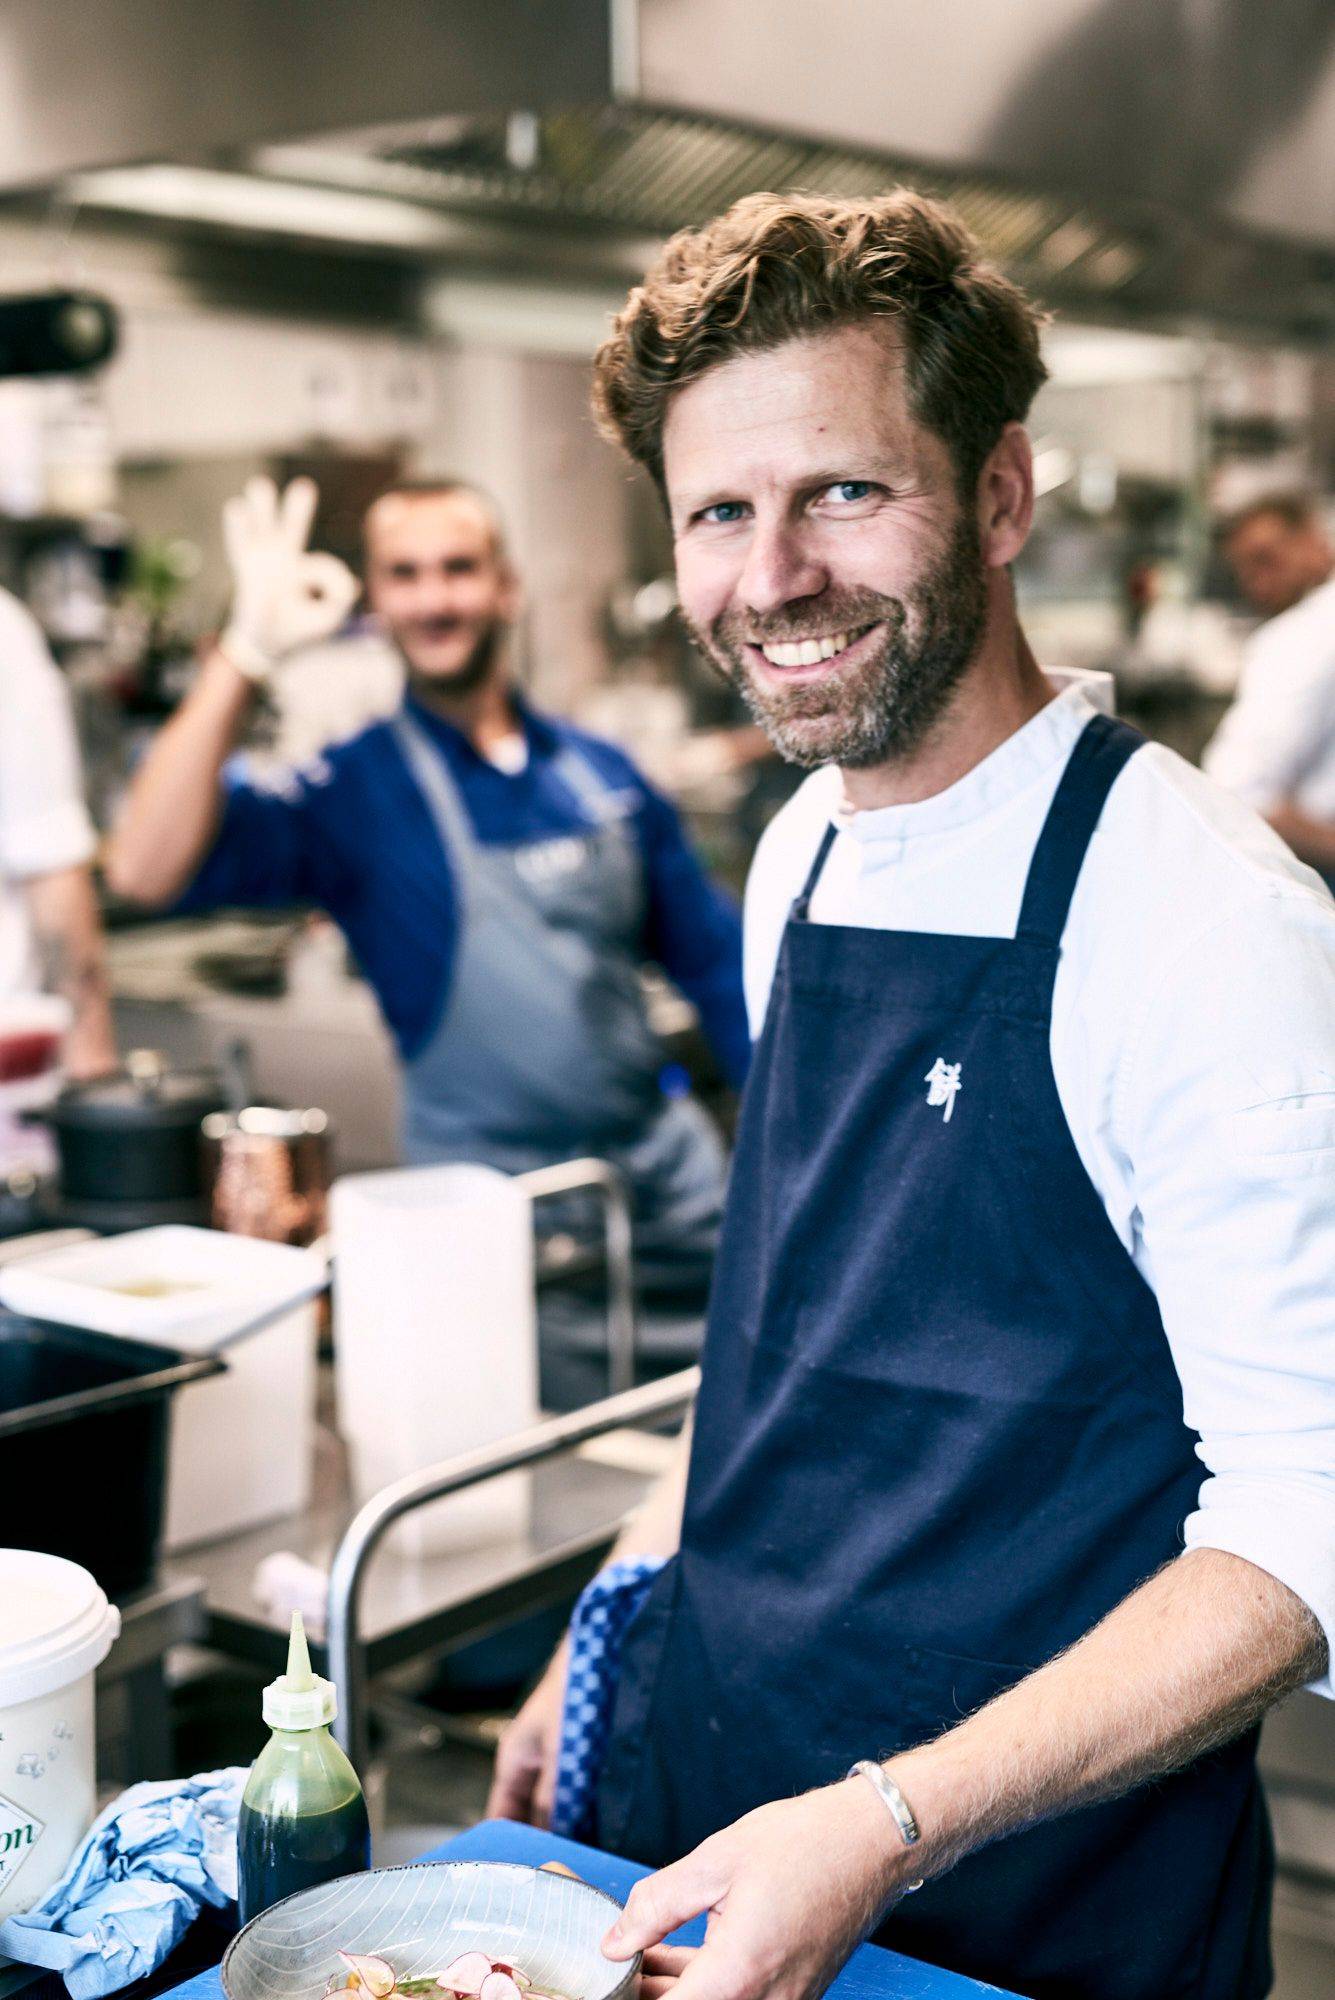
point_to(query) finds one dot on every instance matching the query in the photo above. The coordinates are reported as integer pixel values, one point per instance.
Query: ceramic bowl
(420, 1918)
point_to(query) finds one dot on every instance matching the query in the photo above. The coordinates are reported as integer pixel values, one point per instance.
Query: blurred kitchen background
(360, 242)
(391, 246)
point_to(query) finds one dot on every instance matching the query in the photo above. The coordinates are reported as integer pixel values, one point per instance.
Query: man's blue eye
(723, 513)
(850, 489)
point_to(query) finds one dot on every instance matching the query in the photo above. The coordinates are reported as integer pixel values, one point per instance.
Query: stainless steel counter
(414, 1607)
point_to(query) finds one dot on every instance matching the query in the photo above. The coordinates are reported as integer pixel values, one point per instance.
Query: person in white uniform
(1276, 746)
(50, 928)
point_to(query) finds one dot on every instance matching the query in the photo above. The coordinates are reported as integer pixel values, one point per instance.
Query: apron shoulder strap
(1101, 750)
(433, 781)
(600, 799)
(802, 903)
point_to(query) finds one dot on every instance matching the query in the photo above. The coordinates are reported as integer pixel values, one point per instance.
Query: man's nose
(780, 568)
(435, 598)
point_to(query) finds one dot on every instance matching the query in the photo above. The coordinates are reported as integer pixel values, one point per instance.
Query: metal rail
(573, 1177)
(345, 1659)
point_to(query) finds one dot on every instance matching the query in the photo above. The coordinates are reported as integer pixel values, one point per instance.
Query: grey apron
(544, 1050)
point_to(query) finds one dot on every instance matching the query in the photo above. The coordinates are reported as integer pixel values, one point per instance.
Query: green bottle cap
(299, 1699)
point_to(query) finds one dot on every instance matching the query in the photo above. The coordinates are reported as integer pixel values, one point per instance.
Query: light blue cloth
(598, 1630)
(135, 1884)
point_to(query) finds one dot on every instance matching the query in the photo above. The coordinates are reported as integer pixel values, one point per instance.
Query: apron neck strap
(435, 783)
(802, 903)
(600, 800)
(1102, 748)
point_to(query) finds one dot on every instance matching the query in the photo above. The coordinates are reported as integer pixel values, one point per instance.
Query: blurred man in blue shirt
(500, 876)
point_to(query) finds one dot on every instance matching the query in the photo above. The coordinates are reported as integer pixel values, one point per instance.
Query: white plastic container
(435, 1338)
(242, 1443)
(181, 1287)
(56, 1628)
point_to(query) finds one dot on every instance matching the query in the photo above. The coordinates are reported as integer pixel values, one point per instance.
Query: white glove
(283, 595)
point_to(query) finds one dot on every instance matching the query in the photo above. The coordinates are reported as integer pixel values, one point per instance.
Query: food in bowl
(474, 1975)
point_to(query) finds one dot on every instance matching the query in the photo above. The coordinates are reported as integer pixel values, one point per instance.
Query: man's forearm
(1188, 1661)
(654, 1529)
(171, 814)
(1312, 840)
(68, 929)
(525, 1776)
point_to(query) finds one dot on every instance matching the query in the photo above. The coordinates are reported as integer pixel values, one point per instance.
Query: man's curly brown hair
(775, 267)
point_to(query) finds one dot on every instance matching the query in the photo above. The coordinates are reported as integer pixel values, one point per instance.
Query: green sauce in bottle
(303, 1818)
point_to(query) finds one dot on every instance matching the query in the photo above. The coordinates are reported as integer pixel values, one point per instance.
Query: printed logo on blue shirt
(550, 860)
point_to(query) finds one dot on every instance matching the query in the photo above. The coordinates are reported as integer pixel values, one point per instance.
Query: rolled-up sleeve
(1228, 1119)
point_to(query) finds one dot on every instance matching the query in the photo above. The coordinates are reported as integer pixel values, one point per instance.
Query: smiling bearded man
(1011, 1488)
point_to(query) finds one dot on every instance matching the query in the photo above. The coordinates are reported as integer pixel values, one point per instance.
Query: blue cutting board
(871, 1974)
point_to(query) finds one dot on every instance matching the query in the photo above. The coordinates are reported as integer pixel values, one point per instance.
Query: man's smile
(812, 657)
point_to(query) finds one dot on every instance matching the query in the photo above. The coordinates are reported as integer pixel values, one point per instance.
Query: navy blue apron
(940, 1436)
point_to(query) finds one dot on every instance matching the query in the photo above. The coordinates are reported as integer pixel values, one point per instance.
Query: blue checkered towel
(597, 1633)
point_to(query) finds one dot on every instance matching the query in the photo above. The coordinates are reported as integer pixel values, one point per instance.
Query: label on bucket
(20, 1831)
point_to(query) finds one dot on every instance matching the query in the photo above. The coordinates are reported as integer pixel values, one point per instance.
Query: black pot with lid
(130, 1143)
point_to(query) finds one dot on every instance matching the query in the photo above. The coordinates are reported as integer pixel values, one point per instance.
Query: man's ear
(1006, 497)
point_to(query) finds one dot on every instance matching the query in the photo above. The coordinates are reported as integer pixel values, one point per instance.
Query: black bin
(84, 1424)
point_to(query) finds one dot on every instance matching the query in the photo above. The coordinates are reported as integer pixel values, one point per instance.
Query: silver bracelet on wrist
(898, 1807)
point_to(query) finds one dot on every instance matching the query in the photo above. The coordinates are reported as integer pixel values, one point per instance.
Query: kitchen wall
(485, 381)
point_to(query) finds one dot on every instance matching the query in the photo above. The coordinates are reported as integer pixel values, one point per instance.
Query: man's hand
(790, 1890)
(284, 596)
(524, 1780)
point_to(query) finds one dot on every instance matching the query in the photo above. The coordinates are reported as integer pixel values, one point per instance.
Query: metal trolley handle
(575, 1176)
(652, 1403)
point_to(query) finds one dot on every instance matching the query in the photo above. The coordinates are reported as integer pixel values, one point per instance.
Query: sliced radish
(466, 1974)
(375, 1974)
(521, 1979)
(498, 1986)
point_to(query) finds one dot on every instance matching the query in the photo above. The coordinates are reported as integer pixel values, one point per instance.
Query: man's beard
(884, 707)
(465, 679)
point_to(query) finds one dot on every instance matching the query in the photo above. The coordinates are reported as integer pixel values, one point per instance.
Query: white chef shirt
(44, 824)
(1193, 1044)
(1277, 741)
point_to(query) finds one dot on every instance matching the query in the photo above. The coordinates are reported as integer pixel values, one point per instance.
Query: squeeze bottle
(303, 1818)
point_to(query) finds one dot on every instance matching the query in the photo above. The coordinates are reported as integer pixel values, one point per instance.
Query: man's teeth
(807, 652)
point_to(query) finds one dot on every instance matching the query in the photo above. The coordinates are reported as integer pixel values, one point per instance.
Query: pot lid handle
(146, 1069)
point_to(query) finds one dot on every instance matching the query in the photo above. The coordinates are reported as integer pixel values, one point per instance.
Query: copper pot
(267, 1172)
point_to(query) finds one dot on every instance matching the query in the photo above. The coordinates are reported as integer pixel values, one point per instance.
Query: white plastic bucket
(56, 1627)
